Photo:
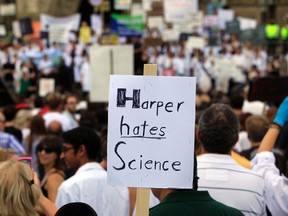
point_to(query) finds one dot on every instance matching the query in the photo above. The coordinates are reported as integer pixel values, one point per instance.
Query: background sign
(126, 25)
(151, 131)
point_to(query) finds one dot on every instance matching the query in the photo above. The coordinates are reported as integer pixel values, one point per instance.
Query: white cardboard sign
(151, 131)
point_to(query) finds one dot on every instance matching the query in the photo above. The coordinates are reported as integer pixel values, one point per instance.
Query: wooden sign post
(143, 194)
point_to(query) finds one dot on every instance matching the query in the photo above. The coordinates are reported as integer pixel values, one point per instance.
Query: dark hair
(218, 129)
(54, 144)
(9, 112)
(256, 126)
(87, 137)
(37, 127)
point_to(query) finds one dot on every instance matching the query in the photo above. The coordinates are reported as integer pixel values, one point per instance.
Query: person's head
(48, 152)
(81, 145)
(256, 127)
(37, 125)
(22, 119)
(10, 112)
(18, 193)
(7, 154)
(218, 129)
(54, 101)
(55, 128)
(71, 103)
(2, 121)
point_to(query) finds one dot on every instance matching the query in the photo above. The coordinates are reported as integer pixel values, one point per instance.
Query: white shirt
(89, 185)
(276, 186)
(85, 77)
(56, 116)
(231, 184)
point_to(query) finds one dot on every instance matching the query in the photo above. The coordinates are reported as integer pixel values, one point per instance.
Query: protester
(19, 192)
(276, 185)
(81, 152)
(37, 132)
(178, 202)
(70, 109)
(225, 180)
(54, 103)
(50, 166)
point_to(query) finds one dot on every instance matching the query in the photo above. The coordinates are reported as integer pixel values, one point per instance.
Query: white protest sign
(195, 43)
(155, 22)
(16, 29)
(170, 35)
(177, 11)
(247, 23)
(58, 33)
(71, 22)
(225, 15)
(46, 85)
(211, 21)
(108, 60)
(151, 131)
(3, 31)
(147, 5)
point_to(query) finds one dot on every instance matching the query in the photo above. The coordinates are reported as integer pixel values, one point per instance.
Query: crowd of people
(240, 158)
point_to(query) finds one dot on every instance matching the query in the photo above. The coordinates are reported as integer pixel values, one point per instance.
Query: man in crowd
(8, 141)
(189, 202)
(225, 180)
(70, 110)
(81, 152)
(54, 102)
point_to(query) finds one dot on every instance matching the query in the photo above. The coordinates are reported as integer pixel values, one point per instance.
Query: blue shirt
(8, 141)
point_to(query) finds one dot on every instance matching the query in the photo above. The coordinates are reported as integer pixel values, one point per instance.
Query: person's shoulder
(226, 210)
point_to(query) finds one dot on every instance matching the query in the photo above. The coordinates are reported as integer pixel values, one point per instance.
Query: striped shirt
(231, 184)
(8, 141)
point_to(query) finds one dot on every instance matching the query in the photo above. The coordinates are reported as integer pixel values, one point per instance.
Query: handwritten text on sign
(151, 131)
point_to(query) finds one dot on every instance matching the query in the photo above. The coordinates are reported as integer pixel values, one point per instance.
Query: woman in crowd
(19, 192)
(37, 132)
(50, 165)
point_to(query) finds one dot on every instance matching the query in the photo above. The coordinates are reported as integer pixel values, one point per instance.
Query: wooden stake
(143, 194)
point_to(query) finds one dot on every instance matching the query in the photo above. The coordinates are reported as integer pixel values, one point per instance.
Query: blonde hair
(18, 193)
(6, 154)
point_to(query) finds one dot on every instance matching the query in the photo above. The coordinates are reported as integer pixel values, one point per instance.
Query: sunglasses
(46, 150)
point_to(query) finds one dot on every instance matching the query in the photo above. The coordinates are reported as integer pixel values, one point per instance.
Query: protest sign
(178, 11)
(58, 33)
(211, 21)
(224, 15)
(122, 4)
(108, 60)
(171, 35)
(46, 85)
(155, 22)
(126, 25)
(8, 9)
(3, 31)
(26, 26)
(195, 43)
(71, 22)
(247, 23)
(151, 131)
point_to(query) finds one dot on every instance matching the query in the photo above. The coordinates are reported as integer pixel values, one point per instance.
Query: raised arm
(279, 121)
